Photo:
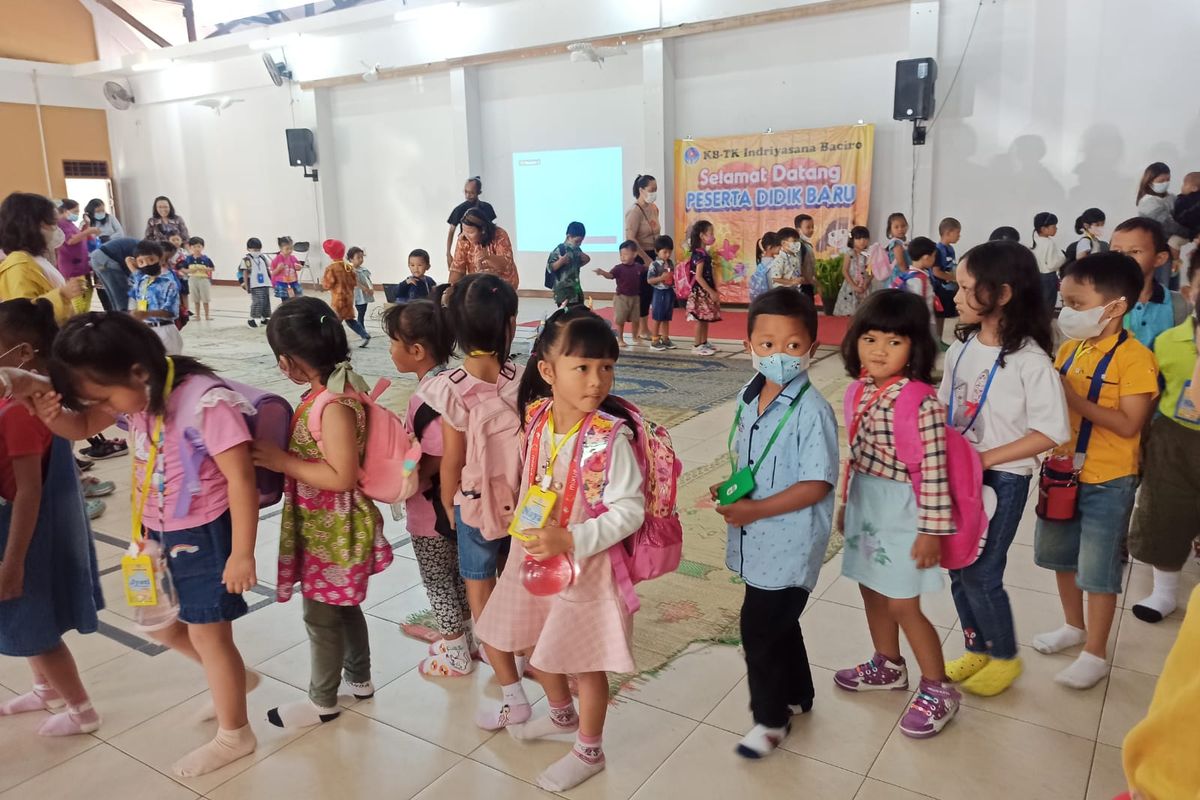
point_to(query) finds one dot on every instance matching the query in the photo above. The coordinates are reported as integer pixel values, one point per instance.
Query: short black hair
(282, 240)
(801, 219)
(195, 240)
(1113, 275)
(947, 225)
(254, 243)
(630, 244)
(147, 247)
(920, 247)
(664, 243)
(420, 322)
(352, 252)
(1150, 226)
(576, 229)
(784, 301)
(1005, 233)
(788, 233)
(419, 253)
(899, 312)
(860, 232)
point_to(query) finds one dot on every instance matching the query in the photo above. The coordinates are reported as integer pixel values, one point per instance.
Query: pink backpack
(963, 470)
(389, 464)
(655, 548)
(685, 276)
(877, 260)
(269, 419)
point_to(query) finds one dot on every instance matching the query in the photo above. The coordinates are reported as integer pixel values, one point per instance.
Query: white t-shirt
(1026, 395)
(1049, 256)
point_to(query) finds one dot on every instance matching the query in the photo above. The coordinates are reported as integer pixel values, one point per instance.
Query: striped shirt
(873, 452)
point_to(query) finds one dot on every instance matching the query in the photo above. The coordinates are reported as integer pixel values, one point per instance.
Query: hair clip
(321, 321)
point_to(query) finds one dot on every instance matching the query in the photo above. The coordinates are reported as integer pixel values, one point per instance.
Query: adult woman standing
(164, 222)
(642, 226)
(1155, 202)
(29, 234)
(72, 256)
(483, 247)
(95, 215)
(471, 191)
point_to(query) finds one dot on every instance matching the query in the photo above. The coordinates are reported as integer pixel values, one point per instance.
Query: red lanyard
(859, 416)
(571, 488)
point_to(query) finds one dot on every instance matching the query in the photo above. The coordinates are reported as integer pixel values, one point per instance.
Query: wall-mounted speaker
(915, 79)
(302, 150)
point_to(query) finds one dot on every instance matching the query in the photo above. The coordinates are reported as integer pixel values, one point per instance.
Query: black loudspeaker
(302, 151)
(915, 78)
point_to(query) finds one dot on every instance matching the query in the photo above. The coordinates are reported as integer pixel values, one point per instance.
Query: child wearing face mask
(704, 303)
(155, 294)
(778, 504)
(1090, 224)
(1110, 380)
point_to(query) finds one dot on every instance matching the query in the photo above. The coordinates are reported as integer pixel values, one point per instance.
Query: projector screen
(555, 187)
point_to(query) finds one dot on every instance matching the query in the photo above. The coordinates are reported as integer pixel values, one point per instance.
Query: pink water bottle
(549, 577)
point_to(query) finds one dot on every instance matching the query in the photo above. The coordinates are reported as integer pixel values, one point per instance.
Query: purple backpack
(271, 422)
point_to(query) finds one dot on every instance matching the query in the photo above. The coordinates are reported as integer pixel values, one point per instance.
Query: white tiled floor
(670, 736)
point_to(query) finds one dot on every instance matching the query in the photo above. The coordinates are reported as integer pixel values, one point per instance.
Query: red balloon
(549, 577)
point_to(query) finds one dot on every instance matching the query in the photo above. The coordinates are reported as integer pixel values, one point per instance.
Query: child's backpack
(268, 416)
(1072, 251)
(491, 476)
(878, 262)
(685, 276)
(389, 464)
(422, 419)
(760, 281)
(963, 470)
(655, 548)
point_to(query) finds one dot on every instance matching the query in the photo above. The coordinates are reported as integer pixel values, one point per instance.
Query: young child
(49, 583)
(662, 306)
(422, 344)
(704, 303)
(155, 294)
(785, 269)
(585, 630)
(1090, 224)
(806, 226)
(340, 280)
(418, 285)
(942, 274)
(1110, 380)
(110, 364)
(1157, 308)
(627, 300)
(199, 271)
(175, 262)
(256, 279)
(1187, 206)
(856, 273)
(1049, 256)
(1164, 520)
(788, 436)
(896, 245)
(481, 312)
(284, 275)
(364, 289)
(331, 534)
(893, 534)
(1006, 398)
(564, 264)
(922, 255)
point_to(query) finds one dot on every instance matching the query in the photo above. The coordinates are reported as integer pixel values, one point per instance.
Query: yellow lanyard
(555, 447)
(481, 353)
(139, 503)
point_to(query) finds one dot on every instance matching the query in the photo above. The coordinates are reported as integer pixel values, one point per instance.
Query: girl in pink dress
(586, 629)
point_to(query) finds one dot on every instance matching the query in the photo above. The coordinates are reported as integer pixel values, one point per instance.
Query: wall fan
(117, 95)
(278, 70)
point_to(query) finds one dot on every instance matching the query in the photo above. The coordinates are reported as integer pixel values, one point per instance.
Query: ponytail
(421, 322)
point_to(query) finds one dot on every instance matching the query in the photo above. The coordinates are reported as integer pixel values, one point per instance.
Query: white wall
(550, 104)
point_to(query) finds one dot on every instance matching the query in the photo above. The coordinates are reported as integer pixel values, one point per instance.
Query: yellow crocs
(966, 665)
(994, 678)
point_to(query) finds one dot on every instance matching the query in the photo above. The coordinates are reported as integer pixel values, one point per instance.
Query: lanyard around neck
(986, 387)
(139, 500)
(737, 421)
(556, 447)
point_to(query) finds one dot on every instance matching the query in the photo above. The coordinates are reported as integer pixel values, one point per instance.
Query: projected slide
(554, 187)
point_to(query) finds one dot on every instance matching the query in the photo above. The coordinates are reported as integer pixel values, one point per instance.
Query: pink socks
(512, 710)
(75, 720)
(584, 761)
(42, 698)
(561, 719)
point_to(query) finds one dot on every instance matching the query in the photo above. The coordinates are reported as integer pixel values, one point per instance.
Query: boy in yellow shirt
(1110, 380)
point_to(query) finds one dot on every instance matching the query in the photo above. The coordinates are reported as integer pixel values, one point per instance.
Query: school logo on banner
(748, 185)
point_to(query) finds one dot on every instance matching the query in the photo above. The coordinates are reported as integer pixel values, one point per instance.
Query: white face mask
(1160, 186)
(1098, 232)
(1084, 324)
(55, 238)
(651, 197)
(795, 247)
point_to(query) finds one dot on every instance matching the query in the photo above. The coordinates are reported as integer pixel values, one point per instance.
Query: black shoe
(104, 448)
(365, 342)
(84, 464)
(252, 323)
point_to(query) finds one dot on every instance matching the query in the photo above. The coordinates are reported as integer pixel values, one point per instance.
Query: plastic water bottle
(166, 609)
(549, 577)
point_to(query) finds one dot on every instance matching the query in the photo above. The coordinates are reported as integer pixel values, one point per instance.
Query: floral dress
(329, 542)
(848, 297)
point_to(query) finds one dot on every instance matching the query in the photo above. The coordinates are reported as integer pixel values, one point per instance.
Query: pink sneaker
(878, 674)
(931, 710)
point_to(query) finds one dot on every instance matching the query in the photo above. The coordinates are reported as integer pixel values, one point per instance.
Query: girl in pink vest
(586, 629)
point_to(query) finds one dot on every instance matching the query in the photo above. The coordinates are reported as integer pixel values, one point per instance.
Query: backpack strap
(192, 451)
(1179, 307)
(906, 431)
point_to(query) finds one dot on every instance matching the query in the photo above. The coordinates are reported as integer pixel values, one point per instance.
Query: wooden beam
(634, 37)
(189, 18)
(133, 22)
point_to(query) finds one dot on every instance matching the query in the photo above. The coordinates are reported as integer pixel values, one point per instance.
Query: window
(85, 169)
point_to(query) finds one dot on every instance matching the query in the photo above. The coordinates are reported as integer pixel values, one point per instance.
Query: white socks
(1161, 602)
(227, 747)
(452, 659)
(1084, 673)
(301, 714)
(42, 698)
(512, 710)
(761, 741)
(585, 760)
(1058, 640)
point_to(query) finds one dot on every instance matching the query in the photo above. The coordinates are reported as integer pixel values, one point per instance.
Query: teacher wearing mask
(642, 226)
(164, 222)
(471, 191)
(95, 215)
(483, 247)
(29, 235)
(1155, 202)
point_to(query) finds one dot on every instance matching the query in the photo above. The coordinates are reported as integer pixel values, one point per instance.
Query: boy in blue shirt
(1157, 309)
(778, 504)
(155, 294)
(945, 261)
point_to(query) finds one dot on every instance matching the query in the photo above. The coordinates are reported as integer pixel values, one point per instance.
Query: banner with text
(748, 185)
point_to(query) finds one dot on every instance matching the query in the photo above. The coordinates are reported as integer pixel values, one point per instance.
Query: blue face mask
(780, 368)
(99, 217)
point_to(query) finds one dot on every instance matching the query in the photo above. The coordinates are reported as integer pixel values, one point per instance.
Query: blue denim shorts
(1090, 545)
(196, 559)
(478, 558)
(662, 307)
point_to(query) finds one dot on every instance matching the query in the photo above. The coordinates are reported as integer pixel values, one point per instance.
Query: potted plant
(829, 281)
